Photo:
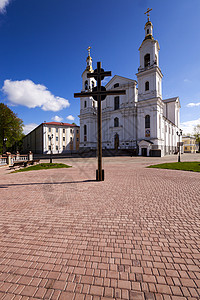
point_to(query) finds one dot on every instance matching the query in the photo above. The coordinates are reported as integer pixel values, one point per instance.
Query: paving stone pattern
(133, 236)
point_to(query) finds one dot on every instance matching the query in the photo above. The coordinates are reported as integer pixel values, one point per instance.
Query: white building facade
(52, 137)
(140, 120)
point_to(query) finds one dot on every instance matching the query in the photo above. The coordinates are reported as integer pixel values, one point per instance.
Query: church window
(116, 102)
(116, 122)
(155, 59)
(147, 86)
(147, 60)
(86, 85)
(85, 129)
(147, 121)
(116, 85)
(85, 104)
(147, 31)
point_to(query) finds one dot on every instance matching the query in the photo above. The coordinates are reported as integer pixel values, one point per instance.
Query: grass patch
(193, 166)
(42, 166)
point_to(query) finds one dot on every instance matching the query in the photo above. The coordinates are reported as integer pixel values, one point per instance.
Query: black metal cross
(99, 93)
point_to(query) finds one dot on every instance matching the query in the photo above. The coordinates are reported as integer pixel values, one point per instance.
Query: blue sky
(44, 48)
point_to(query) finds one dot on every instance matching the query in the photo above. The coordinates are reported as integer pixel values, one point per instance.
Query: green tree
(11, 128)
(197, 134)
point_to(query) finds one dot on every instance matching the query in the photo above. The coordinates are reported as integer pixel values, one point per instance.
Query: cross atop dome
(88, 49)
(147, 12)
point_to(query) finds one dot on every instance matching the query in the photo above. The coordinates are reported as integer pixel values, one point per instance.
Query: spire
(89, 61)
(148, 26)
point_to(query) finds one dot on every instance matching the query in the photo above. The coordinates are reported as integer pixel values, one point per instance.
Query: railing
(3, 161)
(19, 157)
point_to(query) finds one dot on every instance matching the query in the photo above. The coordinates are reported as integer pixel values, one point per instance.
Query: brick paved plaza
(134, 236)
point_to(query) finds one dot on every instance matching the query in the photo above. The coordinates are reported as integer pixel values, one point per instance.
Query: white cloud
(187, 80)
(29, 127)
(27, 93)
(193, 104)
(188, 126)
(70, 117)
(57, 119)
(3, 4)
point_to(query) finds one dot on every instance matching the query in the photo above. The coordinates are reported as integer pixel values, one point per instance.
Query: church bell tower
(87, 108)
(149, 74)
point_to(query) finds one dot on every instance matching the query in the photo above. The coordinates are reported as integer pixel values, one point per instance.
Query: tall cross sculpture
(99, 94)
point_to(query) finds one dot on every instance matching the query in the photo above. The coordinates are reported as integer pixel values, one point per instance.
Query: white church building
(140, 120)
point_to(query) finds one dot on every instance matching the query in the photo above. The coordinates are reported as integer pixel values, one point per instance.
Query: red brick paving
(133, 236)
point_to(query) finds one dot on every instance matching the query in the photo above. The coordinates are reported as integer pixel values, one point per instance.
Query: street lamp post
(4, 145)
(179, 133)
(50, 138)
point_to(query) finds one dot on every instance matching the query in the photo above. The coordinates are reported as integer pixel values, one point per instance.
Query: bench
(23, 163)
(17, 164)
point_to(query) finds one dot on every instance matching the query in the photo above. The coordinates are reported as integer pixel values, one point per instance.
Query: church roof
(59, 124)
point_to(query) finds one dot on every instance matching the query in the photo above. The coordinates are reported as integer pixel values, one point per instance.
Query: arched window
(85, 129)
(147, 60)
(116, 85)
(116, 122)
(85, 133)
(116, 102)
(86, 85)
(147, 121)
(147, 86)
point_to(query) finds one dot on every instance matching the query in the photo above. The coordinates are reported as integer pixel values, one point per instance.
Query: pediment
(121, 80)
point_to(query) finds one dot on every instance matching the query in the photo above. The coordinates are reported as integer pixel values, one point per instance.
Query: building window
(85, 104)
(71, 130)
(57, 139)
(56, 147)
(116, 85)
(71, 139)
(50, 147)
(92, 84)
(56, 129)
(63, 130)
(116, 102)
(116, 122)
(63, 138)
(85, 129)
(147, 31)
(77, 139)
(49, 129)
(147, 121)
(147, 60)
(147, 86)
(86, 85)
(77, 131)
(63, 147)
